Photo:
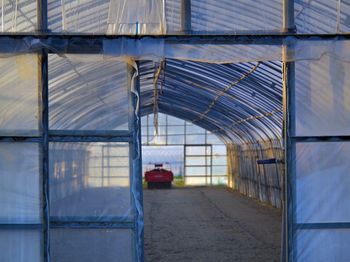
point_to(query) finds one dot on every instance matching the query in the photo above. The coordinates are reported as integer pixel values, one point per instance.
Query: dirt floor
(209, 224)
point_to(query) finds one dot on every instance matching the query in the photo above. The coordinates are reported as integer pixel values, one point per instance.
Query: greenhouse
(252, 96)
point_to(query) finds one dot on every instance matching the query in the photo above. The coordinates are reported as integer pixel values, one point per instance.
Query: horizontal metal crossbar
(84, 44)
(343, 225)
(92, 225)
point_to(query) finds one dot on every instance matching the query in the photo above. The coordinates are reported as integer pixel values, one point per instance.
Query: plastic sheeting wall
(164, 16)
(319, 184)
(86, 205)
(262, 181)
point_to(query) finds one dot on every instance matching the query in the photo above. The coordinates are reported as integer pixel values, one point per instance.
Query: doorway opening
(220, 126)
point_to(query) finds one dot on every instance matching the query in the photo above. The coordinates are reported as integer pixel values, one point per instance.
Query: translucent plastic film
(19, 95)
(322, 97)
(136, 17)
(322, 16)
(257, 170)
(89, 181)
(18, 16)
(236, 16)
(322, 179)
(21, 245)
(91, 245)
(20, 180)
(153, 49)
(107, 17)
(323, 245)
(88, 93)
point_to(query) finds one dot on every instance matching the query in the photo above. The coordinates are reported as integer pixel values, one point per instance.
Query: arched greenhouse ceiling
(238, 102)
(248, 111)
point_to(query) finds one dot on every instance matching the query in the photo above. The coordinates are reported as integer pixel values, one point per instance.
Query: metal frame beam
(186, 26)
(288, 201)
(94, 44)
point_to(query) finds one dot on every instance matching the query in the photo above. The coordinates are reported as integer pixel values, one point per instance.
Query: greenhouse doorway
(200, 203)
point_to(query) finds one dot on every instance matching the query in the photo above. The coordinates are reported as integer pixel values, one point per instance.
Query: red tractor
(159, 177)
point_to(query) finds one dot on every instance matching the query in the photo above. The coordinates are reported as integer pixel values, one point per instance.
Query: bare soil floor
(209, 224)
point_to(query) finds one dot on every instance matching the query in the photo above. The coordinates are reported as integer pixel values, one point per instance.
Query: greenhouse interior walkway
(209, 224)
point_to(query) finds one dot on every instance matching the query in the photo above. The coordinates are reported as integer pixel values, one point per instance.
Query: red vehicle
(159, 177)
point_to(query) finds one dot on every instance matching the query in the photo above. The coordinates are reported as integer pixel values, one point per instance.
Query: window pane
(195, 130)
(222, 180)
(219, 170)
(19, 95)
(20, 245)
(91, 245)
(144, 130)
(20, 183)
(175, 121)
(157, 140)
(196, 181)
(144, 121)
(144, 139)
(195, 171)
(195, 139)
(87, 93)
(196, 150)
(161, 119)
(176, 140)
(196, 161)
(219, 160)
(219, 150)
(89, 180)
(213, 139)
(176, 130)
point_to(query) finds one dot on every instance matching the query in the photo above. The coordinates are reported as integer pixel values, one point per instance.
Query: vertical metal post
(288, 16)
(42, 16)
(136, 180)
(288, 129)
(186, 16)
(43, 82)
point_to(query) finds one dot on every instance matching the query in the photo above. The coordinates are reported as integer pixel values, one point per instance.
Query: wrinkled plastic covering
(136, 17)
(236, 16)
(19, 84)
(221, 88)
(20, 245)
(20, 183)
(262, 181)
(164, 16)
(83, 16)
(322, 167)
(20, 201)
(322, 179)
(86, 91)
(323, 97)
(107, 17)
(322, 16)
(91, 245)
(151, 49)
(88, 179)
(323, 245)
(18, 16)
